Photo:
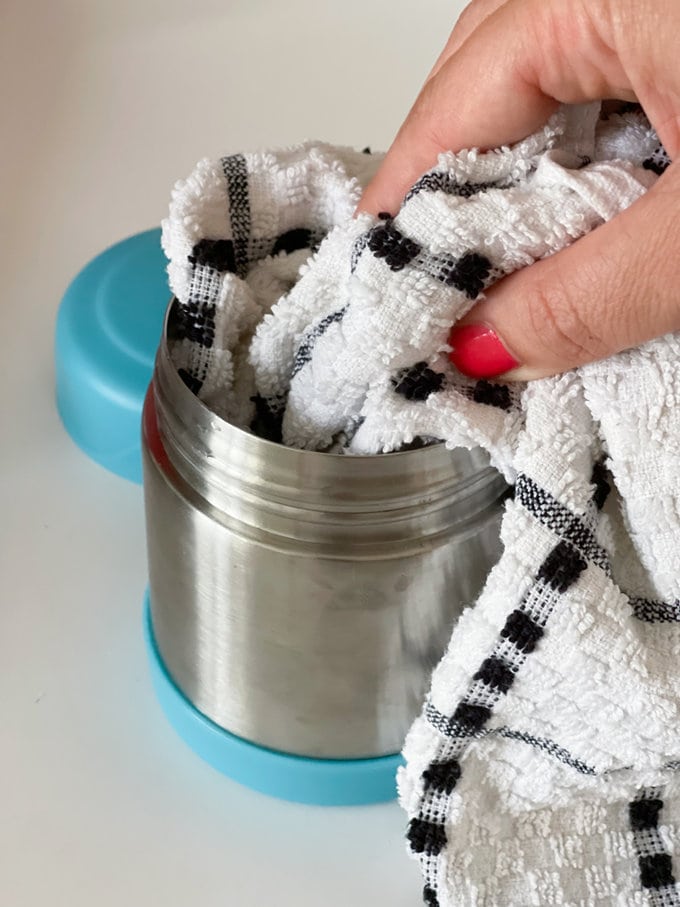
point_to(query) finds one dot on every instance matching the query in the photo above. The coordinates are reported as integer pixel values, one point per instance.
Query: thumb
(611, 290)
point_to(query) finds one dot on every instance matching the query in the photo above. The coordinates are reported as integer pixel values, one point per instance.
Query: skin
(516, 60)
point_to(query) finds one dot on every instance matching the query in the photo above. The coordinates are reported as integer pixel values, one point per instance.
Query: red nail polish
(477, 351)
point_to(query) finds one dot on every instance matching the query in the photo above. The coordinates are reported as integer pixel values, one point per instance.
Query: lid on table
(108, 328)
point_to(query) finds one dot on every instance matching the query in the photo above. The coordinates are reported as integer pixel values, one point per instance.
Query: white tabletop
(103, 105)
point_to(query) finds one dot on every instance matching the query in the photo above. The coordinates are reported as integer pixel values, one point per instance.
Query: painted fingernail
(477, 351)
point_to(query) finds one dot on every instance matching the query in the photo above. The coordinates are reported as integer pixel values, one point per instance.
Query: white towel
(543, 769)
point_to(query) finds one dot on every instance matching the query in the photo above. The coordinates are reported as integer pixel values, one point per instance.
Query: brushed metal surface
(300, 599)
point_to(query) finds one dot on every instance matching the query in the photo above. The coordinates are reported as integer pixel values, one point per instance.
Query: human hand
(505, 68)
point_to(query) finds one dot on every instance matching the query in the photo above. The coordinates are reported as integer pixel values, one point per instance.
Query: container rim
(186, 395)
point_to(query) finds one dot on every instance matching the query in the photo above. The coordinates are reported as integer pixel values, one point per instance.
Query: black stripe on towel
(236, 174)
(441, 181)
(520, 635)
(655, 864)
(560, 520)
(655, 612)
(304, 351)
(490, 394)
(293, 240)
(417, 382)
(658, 162)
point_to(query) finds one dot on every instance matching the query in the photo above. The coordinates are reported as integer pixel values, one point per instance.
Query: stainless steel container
(300, 600)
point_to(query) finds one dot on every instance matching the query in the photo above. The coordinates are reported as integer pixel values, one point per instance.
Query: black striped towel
(544, 766)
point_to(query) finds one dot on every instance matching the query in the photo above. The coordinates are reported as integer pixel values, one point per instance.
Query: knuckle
(471, 15)
(555, 318)
(474, 14)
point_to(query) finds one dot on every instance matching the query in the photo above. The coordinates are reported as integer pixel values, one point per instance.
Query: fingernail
(477, 351)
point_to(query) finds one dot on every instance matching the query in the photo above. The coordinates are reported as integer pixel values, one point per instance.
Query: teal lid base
(322, 782)
(108, 328)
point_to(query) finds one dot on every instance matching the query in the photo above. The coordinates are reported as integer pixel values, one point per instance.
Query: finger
(611, 290)
(515, 67)
(472, 16)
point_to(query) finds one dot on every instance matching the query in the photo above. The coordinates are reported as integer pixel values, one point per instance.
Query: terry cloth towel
(543, 769)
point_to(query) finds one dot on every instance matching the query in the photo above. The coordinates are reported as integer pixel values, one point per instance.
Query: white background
(102, 106)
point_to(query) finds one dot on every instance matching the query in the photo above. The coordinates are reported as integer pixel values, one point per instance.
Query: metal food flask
(300, 600)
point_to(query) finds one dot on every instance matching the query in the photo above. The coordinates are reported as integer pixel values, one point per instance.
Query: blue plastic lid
(108, 328)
